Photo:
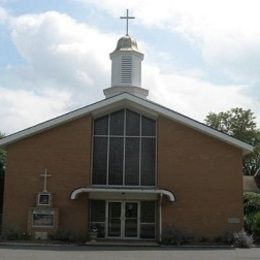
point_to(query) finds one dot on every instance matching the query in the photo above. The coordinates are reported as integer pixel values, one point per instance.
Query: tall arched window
(124, 144)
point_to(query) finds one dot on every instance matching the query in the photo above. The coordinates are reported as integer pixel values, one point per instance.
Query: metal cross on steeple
(45, 175)
(127, 18)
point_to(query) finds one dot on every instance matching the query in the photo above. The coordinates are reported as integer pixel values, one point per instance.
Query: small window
(116, 156)
(132, 123)
(97, 211)
(147, 221)
(148, 212)
(117, 123)
(44, 199)
(97, 217)
(148, 126)
(132, 161)
(101, 126)
(100, 160)
(148, 162)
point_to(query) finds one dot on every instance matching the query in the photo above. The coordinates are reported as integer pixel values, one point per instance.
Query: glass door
(130, 219)
(114, 219)
(124, 219)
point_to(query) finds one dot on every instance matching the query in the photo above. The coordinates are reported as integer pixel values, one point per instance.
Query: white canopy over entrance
(123, 192)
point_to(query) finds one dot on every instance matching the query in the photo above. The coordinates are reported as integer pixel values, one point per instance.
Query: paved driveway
(107, 253)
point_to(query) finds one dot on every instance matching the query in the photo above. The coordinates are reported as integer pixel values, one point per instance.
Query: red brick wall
(66, 152)
(206, 177)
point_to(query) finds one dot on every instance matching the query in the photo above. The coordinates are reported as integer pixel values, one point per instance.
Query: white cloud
(3, 15)
(23, 108)
(64, 56)
(68, 66)
(62, 50)
(191, 95)
(227, 32)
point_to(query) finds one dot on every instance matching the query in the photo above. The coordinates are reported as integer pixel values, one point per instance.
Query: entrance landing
(135, 243)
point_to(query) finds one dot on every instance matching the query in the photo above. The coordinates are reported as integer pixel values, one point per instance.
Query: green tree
(239, 123)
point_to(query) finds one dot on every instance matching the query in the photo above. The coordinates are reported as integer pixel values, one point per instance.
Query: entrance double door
(123, 219)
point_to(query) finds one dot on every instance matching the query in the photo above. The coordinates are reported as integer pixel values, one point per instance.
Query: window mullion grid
(124, 150)
(140, 150)
(108, 149)
(124, 141)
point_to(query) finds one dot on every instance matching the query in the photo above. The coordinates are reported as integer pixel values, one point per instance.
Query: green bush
(171, 236)
(248, 223)
(251, 210)
(226, 239)
(251, 203)
(256, 226)
(68, 236)
(14, 233)
(64, 236)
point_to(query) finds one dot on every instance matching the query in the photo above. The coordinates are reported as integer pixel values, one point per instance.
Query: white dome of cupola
(126, 69)
(126, 43)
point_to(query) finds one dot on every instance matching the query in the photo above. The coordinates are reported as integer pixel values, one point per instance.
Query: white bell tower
(126, 67)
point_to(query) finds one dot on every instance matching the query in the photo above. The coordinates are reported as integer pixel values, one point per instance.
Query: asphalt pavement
(123, 253)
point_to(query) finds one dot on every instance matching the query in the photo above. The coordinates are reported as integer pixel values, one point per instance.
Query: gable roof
(126, 98)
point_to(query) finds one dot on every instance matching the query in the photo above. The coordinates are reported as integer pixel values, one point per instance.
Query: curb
(37, 244)
(89, 244)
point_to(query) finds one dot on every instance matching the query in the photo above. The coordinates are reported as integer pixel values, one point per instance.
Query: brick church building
(123, 167)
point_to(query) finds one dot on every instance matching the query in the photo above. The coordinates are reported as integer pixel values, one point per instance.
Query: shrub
(14, 233)
(68, 236)
(64, 236)
(248, 223)
(203, 240)
(171, 236)
(252, 209)
(243, 240)
(256, 226)
(251, 203)
(226, 239)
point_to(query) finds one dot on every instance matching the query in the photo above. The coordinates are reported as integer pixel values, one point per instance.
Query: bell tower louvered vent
(126, 69)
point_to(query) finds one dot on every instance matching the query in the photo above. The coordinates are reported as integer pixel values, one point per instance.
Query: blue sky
(200, 56)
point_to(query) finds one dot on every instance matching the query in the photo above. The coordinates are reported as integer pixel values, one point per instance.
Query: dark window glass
(132, 161)
(116, 161)
(123, 122)
(148, 126)
(101, 126)
(148, 161)
(99, 160)
(131, 210)
(148, 211)
(147, 231)
(132, 123)
(114, 227)
(114, 219)
(131, 226)
(97, 211)
(117, 123)
(114, 210)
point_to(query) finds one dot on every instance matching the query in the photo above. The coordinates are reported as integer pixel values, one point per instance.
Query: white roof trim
(78, 191)
(144, 103)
